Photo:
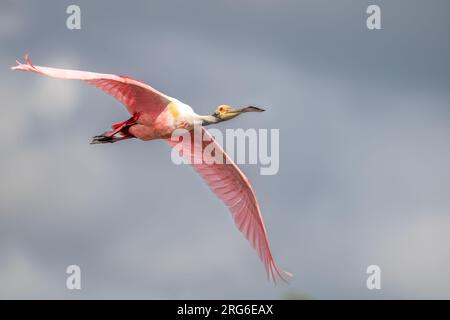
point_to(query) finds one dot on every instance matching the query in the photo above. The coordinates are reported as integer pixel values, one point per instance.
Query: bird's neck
(209, 119)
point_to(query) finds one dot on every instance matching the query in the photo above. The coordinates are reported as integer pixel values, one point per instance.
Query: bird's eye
(221, 109)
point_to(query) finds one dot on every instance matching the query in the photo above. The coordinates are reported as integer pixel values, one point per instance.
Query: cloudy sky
(364, 120)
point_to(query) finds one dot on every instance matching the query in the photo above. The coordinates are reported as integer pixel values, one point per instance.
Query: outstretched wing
(228, 182)
(135, 95)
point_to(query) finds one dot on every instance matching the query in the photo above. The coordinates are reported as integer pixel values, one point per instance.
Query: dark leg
(108, 139)
(119, 128)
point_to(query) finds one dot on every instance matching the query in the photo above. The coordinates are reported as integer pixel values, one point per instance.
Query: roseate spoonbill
(155, 115)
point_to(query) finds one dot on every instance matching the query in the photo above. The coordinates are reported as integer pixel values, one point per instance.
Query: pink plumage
(135, 95)
(155, 115)
(228, 182)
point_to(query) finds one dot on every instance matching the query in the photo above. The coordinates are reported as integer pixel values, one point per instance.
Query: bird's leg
(119, 128)
(105, 139)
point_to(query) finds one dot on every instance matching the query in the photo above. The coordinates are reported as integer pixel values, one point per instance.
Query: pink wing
(228, 182)
(135, 95)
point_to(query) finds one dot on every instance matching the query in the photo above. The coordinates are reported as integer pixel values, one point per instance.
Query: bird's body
(177, 115)
(155, 115)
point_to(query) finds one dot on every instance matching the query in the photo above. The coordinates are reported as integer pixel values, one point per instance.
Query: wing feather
(229, 183)
(138, 97)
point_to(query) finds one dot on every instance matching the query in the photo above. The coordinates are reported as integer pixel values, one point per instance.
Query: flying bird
(155, 115)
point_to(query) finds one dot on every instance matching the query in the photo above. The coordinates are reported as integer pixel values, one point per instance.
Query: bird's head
(226, 112)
